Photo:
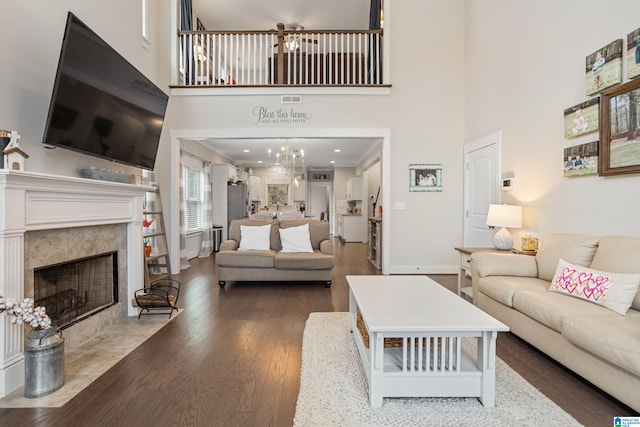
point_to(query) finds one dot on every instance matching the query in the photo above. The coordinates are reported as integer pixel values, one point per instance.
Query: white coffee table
(414, 308)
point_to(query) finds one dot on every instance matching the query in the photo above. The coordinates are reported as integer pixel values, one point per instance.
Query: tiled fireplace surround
(46, 219)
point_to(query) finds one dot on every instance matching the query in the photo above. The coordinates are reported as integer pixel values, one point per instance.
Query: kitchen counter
(352, 228)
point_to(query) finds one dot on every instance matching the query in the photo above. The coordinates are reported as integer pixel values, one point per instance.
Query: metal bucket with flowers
(44, 349)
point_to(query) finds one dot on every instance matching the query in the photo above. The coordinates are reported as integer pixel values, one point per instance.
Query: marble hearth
(47, 217)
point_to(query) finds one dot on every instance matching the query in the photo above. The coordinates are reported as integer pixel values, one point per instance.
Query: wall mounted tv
(101, 104)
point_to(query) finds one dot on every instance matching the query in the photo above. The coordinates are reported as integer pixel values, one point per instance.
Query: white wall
(460, 69)
(30, 40)
(424, 114)
(525, 64)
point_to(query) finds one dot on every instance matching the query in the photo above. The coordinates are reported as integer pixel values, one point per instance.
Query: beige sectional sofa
(599, 344)
(273, 264)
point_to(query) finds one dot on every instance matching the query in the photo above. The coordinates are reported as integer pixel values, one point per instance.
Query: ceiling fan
(292, 41)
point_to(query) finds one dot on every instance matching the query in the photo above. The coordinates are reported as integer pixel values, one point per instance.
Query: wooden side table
(465, 268)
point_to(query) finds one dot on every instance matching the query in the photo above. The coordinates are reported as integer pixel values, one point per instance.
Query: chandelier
(291, 162)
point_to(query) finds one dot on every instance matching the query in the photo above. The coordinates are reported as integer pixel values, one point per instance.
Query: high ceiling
(217, 15)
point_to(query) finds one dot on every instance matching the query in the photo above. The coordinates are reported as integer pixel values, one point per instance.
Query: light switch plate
(399, 205)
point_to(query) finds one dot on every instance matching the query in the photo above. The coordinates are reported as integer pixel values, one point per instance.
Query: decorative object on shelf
(633, 54)
(529, 242)
(13, 155)
(425, 177)
(375, 203)
(582, 118)
(146, 223)
(604, 68)
(581, 159)
(44, 349)
(504, 216)
(147, 248)
(619, 132)
(4, 139)
(107, 175)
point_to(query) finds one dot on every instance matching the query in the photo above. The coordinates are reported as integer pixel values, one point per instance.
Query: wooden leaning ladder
(157, 265)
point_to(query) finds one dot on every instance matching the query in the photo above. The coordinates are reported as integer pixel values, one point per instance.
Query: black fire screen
(77, 289)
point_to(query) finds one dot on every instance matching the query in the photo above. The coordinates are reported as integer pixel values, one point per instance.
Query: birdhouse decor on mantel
(13, 155)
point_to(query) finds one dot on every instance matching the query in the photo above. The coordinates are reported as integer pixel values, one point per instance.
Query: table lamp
(504, 216)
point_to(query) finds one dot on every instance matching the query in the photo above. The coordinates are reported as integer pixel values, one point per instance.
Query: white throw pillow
(614, 291)
(255, 238)
(296, 239)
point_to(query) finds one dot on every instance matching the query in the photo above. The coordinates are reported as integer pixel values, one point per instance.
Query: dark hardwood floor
(232, 358)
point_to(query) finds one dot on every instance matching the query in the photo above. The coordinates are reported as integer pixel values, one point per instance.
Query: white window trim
(146, 43)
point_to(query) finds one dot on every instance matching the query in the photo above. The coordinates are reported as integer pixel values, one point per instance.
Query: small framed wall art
(633, 54)
(582, 118)
(604, 68)
(581, 159)
(425, 177)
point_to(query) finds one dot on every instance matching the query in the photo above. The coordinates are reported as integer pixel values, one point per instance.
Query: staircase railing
(280, 58)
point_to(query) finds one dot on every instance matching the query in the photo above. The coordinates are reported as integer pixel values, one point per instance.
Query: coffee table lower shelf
(439, 367)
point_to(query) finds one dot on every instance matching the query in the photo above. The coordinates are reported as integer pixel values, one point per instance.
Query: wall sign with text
(280, 115)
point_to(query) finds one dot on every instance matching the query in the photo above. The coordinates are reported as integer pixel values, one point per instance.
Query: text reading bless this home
(263, 115)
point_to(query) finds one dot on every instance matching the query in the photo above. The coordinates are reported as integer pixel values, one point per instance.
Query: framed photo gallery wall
(614, 113)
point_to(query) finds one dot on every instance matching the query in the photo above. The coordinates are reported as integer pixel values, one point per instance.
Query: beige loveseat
(593, 341)
(273, 264)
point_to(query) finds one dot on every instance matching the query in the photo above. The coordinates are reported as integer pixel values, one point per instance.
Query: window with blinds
(194, 196)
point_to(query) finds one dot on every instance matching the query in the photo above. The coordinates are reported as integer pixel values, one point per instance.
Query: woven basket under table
(388, 342)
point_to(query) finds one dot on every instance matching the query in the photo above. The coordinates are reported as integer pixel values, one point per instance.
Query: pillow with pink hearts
(614, 291)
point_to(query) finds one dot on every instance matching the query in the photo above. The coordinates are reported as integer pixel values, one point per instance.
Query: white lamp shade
(508, 216)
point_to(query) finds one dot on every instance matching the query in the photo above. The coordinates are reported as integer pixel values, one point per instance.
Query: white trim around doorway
(176, 135)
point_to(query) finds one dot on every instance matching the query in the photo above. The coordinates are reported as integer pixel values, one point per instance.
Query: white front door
(481, 188)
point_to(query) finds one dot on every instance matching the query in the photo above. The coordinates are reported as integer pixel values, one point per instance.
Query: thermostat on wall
(508, 181)
(507, 184)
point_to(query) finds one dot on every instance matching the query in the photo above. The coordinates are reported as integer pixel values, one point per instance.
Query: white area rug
(334, 392)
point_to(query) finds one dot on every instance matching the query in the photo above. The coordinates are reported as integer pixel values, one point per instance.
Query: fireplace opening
(74, 290)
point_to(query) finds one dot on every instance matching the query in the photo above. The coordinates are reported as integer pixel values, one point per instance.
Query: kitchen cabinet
(255, 183)
(300, 191)
(354, 188)
(242, 175)
(232, 172)
(352, 228)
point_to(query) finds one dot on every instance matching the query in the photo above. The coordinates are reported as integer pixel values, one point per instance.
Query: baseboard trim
(423, 269)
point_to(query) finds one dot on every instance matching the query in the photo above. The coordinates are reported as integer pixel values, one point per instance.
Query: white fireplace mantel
(34, 201)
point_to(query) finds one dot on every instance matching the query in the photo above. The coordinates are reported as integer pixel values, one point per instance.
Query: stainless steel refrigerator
(236, 202)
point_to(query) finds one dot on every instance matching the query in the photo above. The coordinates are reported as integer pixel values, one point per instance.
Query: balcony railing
(280, 58)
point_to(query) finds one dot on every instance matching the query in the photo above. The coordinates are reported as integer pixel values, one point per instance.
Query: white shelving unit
(375, 242)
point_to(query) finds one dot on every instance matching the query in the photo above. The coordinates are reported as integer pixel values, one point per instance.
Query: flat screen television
(101, 104)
